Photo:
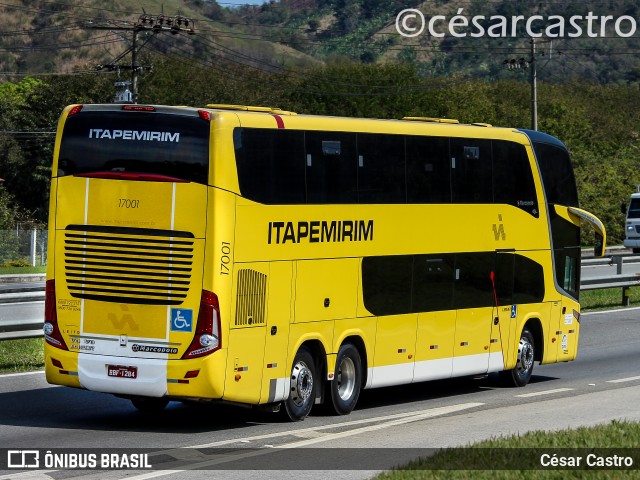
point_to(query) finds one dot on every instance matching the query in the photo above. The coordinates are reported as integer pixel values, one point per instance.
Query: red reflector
(138, 108)
(192, 374)
(56, 363)
(52, 333)
(138, 177)
(75, 110)
(204, 115)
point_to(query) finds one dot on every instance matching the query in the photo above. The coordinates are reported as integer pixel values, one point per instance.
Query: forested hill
(62, 36)
(590, 41)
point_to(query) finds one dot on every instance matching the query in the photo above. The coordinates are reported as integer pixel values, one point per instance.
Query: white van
(632, 230)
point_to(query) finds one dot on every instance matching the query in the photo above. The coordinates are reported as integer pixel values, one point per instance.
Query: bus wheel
(520, 376)
(302, 392)
(347, 380)
(150, 404)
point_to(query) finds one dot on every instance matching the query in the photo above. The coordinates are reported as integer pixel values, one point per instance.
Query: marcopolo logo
(153, 349)
(411, 22)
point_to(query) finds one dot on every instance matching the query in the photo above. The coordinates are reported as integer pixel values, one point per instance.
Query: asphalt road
(601, 385)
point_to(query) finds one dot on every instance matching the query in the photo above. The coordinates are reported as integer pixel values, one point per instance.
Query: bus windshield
(175, 146)
(634, 208)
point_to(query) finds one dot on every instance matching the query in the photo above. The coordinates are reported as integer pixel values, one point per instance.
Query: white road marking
(545, 392)
(621, 380)
(20, 374)
(37, 475)
(387, 421)
(305, 431)
(614, 310)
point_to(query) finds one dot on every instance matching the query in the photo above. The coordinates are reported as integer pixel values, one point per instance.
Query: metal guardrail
(619, 280)
(16, 289)
(17, 330)
(18, 292)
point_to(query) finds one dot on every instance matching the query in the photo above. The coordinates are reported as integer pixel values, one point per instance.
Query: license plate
(122, 371)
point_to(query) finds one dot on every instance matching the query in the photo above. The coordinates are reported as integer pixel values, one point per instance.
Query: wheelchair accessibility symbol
(181, 320)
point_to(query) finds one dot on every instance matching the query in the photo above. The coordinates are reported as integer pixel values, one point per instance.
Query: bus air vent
(251, 297)
(128, 265)
(248, 108)
(431, 119)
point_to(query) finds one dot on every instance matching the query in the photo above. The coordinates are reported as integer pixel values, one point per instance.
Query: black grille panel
(128, 265)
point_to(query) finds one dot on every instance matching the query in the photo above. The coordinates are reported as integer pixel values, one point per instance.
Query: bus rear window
(149, 143)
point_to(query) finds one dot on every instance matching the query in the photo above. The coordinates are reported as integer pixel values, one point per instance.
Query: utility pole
(531, 65)
(135, 66)
(146, 23)
(534, 87)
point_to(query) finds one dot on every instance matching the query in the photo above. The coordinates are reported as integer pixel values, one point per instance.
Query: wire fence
(21, 247)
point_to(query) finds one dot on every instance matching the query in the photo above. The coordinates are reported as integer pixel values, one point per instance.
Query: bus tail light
(75, 110)
(204, 115)
(52, 333)
(206, 339)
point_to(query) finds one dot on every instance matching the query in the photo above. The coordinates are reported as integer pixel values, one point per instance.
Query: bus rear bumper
(632, 243)
(195, 379)
(124, 376)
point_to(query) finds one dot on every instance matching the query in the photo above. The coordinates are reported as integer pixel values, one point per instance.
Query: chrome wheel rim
(525, 356)
(301, 383)
(346, 378)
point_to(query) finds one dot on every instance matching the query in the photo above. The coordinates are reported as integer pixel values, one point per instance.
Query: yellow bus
(255, 256)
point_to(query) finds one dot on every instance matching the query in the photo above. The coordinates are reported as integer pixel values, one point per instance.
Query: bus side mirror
(623, 208)
(598, 250)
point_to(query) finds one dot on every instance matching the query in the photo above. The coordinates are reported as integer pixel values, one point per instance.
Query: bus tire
(521, 374)
(347, 380)
(150, 404)
(303, 385)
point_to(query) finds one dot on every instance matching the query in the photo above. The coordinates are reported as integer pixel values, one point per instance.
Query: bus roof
(271, 117)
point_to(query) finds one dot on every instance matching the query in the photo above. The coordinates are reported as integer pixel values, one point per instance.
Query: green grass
(606, 298)
(19, 270)
(500, 458)
(21, 355)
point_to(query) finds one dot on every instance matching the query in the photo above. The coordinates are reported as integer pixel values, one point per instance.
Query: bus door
(275, 384)
(474, 301)
(433, 281)
(387, 296)
(505, 314)
(247, 332)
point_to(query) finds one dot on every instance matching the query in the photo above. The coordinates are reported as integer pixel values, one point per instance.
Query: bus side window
(428, 170)
(381, 168)
(528, 283)
(471, 170)
(386, 284)
(512, 177)
(504, 278)
(473, 288)
(331, 164)
(270, 165)
(433, 277)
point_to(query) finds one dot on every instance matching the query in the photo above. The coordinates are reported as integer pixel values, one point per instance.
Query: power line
(146, 23)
